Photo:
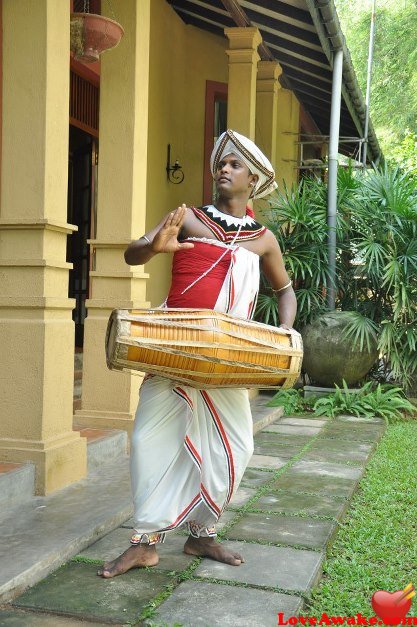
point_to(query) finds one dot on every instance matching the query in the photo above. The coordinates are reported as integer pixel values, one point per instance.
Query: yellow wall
(182, 59)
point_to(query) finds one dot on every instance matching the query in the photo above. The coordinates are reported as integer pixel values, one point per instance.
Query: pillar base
(58, 462)
(89, 418)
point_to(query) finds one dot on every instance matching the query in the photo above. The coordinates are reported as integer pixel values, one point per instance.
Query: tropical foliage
(386, 402)
(383, 401)
(376, 260)
(292, 401)
(394, 73)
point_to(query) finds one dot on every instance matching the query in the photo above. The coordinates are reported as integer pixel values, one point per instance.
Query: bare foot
(208, 547)
(136, 556)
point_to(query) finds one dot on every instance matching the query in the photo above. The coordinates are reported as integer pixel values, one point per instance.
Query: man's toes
(106, 570)
(106, 574)
(234, 559)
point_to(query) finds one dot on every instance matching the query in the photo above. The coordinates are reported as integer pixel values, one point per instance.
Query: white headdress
(245, 149)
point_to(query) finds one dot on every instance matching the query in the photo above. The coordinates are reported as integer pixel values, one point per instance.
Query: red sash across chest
(187, 266)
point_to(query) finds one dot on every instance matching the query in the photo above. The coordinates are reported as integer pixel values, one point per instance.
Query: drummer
(190, 447)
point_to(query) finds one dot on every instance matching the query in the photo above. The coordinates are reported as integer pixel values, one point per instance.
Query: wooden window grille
(84, 104)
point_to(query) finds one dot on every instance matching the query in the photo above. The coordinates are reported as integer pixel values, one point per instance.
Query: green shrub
(384, 401)
(292, 401)
(371, 400)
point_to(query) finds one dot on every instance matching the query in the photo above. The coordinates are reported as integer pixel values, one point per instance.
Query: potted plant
(92, 34)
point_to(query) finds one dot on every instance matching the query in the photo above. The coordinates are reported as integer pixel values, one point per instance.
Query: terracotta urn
(330, 357)
(92, 34)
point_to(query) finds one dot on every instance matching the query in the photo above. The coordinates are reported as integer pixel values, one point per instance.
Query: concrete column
(36, 327)
(288, 129)
(267, 87)
(243, 59)
(109, 399)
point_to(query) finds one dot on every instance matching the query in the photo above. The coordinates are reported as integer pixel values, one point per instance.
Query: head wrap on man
(252, 157)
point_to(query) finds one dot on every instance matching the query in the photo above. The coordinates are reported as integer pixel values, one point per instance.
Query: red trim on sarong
(224, 440)
(193, 451)
(182, 394)
(180, 519)
(206, 496)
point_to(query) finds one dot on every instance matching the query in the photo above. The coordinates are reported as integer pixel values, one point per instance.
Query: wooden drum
(203, 348)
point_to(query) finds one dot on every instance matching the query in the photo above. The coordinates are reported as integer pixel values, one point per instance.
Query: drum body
(203, 348)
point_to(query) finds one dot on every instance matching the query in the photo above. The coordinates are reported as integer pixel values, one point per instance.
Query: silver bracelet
(281, 288)
(145, 238)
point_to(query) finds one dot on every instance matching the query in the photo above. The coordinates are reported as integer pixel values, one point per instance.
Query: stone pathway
(285, 514)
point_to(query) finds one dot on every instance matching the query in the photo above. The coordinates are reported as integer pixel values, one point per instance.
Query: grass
(376, 546)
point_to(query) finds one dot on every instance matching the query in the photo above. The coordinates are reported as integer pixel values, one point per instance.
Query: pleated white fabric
(190, 447)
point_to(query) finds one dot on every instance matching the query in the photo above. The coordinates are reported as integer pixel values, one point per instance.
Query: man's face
(233, 177)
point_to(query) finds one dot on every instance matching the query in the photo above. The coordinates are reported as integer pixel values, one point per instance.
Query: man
(190, 447)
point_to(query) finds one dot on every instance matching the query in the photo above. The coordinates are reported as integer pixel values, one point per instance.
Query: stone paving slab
(171, 554)
(277, 450)
(319, 485)
(210, 605)
(339, 451)
(353, 431)
(262, 415)
(307, 421)
(279, 445)
(76, 590)
(267, 461)
(319, 478)
(292, 429)
(225, 519)
(242, 496)
(360, 419)
(289, 503)
(282, 439)
(326, 469)
(294, 570)
(254, 478)
(61, 525)
(289, 530)
(18, 618)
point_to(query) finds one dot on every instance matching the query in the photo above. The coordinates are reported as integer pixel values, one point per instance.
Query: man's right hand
(166, 239)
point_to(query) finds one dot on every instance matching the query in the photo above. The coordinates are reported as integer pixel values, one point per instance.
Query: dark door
(81, 188)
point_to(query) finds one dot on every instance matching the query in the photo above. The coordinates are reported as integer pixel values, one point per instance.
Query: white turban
(252, 157)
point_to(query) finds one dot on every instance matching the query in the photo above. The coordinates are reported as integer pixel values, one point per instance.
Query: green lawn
(376, 546)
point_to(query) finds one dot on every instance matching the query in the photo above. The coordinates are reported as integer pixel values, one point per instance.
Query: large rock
(329, 357)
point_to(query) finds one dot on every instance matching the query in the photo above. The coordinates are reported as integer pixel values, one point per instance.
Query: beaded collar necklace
(226, 227)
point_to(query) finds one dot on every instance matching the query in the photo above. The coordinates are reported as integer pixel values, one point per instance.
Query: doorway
(82, 174)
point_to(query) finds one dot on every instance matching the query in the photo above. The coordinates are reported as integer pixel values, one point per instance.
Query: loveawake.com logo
(391, 608)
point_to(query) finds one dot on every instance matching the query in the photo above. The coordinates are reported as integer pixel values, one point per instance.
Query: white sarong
(190, 447)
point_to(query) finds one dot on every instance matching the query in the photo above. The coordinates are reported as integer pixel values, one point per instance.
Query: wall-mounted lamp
(174, 172)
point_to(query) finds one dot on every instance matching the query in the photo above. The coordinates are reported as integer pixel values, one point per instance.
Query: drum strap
(228, 249)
